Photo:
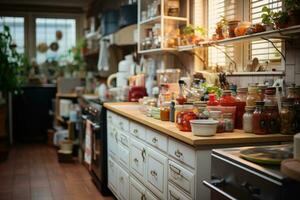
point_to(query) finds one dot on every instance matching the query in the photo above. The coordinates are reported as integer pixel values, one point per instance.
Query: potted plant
(267, 19)
(293, 9)
(281, 19)
(11, 67)
(221, 28)
(193, 35)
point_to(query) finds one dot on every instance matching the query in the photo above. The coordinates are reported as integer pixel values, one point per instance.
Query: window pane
(16, 25)
(46, 29)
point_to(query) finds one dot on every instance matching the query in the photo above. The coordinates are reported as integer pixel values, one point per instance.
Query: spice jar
(240, 107)
(272, 119)
(165, 111)
(248, 119)
(261, 91)
(259, 122)
(216, 115)
(212, 100)
(183, 118)
(287, 117)
(252, 96)
(201, 110)
(228, 122)
(270, 97)
(227, 99)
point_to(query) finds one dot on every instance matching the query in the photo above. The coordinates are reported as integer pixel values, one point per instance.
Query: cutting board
(291, 168)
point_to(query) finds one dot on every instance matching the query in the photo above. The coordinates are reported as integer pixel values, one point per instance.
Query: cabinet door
(137, 159)
(112, 174)
(157, 166)
(176, 194)
(112, 141)
(137, 190)
(123, 184)
(124, 155)
(150, 196)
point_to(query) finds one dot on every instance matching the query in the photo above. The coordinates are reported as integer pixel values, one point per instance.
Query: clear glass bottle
(248, 119)
(228, 122)
(259, 122)
(252, 96)
(272, 119)
(181, 99)
(287, 117)
(240, 107)
(270, 97)
(165, 111)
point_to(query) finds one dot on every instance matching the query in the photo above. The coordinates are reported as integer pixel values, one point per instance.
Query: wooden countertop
(131, 111)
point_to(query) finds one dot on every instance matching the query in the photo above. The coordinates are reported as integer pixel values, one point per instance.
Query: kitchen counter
(131, 111)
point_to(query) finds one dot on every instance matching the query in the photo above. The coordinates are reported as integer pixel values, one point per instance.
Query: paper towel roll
(297, 146)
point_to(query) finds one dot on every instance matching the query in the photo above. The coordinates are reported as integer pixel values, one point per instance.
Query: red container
(227, 99)
(212, 101)
(259, 119)
(183, 120)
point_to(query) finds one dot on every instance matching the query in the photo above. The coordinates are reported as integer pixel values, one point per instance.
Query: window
(46, 29)
(216, 10)
(262, 49)
(16, 25)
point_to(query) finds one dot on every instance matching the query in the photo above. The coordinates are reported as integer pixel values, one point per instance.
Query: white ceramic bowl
(204, 127)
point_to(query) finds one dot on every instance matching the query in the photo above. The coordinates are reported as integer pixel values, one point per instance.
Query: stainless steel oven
(235, 178)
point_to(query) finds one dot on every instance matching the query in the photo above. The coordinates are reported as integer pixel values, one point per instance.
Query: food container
(66, 145)
(202, 127)
(167, 76)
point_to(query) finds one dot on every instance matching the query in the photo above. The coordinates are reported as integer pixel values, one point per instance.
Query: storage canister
(248, 119)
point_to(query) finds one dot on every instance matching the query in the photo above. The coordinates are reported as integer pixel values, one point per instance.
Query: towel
(88, 142)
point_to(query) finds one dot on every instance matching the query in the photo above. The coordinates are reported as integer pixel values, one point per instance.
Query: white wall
(71, 3)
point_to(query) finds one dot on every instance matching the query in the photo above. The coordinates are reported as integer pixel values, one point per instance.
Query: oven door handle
(95, 126)
(219, 191)
(84, 117)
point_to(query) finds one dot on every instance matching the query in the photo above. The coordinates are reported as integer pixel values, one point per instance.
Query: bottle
(252, 96)
(212, 101)
(287, 117)
(227, 99)
(270, 97)
(248, 119)
(259, 122)
(172, 112)
(181, 99)
(165, 111)
(240, 107)
(272, 119)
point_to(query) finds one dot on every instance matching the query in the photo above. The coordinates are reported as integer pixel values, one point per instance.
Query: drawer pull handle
(153, 173)
(136, 160)
(143, 197)
(123, 140)
(116, 137)
(144, 154)
(173, 196)
(175, 170)
(178, 153)
(154, 140)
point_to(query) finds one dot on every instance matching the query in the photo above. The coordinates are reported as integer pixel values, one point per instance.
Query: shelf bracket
(280, 52)
(232, 61)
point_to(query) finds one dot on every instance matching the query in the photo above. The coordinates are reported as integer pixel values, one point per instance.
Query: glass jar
(228, 122)
(216, 115)
(272, 119)
(181, 99)
(287, 117)
(165, 111)
(201, 110)
(212, 100)
(252, 96)
(240, 107)
(227, 99)
(183, 118)
(259, 122)
(248, 119)
(297, 118)
(291, 92)
(270, 97)
(261, 91)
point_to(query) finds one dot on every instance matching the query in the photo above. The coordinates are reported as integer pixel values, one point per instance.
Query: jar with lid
(228, 122)
(248, 119)
(216, 115)
(270, 97)
(259, 121)
(227, 99)
(183, 118)
(261, 91)
(165, 111)
(252, 96)
(287, 117)
(212, 100)
(240, 107)
(173, 8)
(201, 110)
(272, 119)
(291, 92)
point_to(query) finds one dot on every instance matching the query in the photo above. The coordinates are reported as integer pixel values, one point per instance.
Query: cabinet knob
(144, 154)
(153, 173)
(178, 153)
(135, 160)
(135, 131)
(154, 140)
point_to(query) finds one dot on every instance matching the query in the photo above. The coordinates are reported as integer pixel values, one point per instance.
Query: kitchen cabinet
(165, 163)
(123, 184)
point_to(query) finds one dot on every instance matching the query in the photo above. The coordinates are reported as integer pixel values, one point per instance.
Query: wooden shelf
(67, 95)
(154, 20)
(267, 73)
(156, 50)
(287, 33)
(151, 20)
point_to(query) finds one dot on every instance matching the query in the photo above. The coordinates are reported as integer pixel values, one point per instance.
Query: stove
(233, 178)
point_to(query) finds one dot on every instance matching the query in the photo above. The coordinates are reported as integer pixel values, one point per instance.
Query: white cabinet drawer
(123, 124)
(157, 173)
(181, 177)
(137, 130)
(123, 138)
(182, 152)
(175, 194)
(112, 141)
(123, 184)
(112, 170)
(137, 190)
(124, 155)
(111, 118)
(157, 140)
(137, 159)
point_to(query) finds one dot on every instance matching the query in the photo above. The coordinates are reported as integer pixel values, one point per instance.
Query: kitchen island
(152, 159)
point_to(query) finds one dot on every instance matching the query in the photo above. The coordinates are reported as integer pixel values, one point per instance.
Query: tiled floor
(32, 172)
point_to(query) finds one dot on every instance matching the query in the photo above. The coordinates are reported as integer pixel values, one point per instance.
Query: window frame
(30, 26)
